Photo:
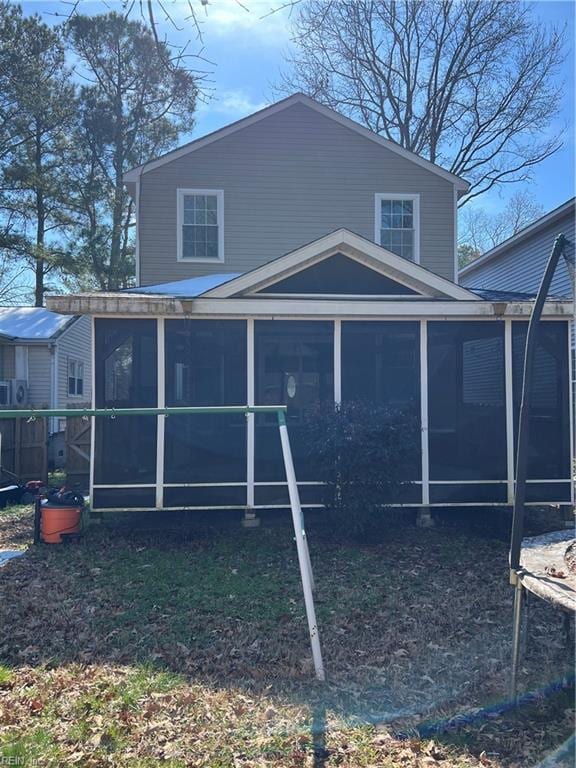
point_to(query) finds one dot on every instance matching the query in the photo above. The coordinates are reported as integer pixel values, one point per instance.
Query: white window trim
(77, 361)
(378, 197)
(180, 194)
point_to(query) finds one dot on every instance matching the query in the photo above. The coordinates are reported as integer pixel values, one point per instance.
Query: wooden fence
(78, 452)
(25, 448)
(24, 453)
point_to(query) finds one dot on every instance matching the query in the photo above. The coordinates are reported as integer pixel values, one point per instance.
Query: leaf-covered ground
(187, 646)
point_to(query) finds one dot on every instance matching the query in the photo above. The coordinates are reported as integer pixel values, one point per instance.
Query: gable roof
(297, 98)
(353, 246)
(531, 229)
(32, 323)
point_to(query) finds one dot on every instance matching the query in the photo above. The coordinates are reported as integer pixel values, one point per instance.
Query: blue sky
(246, 54)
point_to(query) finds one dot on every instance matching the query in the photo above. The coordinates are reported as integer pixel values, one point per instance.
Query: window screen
(381, 364)
(205, 366)
(294, 367)
(125, 376)
(466, 401)
(549, 452)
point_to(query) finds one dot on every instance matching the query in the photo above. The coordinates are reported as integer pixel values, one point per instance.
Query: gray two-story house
(297, 258)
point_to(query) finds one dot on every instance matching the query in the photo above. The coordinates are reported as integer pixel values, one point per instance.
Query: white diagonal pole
(302, 548)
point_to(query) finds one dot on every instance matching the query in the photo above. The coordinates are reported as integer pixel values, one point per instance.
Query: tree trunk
(40, 221)
(117, 208)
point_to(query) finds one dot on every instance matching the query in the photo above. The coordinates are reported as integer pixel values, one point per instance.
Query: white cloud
(229, 18)
(232, 103)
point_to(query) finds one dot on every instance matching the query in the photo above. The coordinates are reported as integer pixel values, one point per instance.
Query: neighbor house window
(397, 224)
(200, 225)
(75, 377)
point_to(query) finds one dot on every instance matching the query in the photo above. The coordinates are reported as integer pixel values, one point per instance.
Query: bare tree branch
(472, 86)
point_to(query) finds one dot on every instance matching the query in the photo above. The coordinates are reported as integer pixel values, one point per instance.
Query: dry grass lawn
(187, 646)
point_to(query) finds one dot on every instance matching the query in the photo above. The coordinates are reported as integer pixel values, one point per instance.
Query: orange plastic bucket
(58, 520)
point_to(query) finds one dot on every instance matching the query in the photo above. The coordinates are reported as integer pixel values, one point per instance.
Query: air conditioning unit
(19, 392)
(5, 390)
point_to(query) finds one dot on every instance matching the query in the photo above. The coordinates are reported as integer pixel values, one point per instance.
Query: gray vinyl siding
(76, 343)
(521, 266)
(7, 362)
(289, 179)
(40, 375)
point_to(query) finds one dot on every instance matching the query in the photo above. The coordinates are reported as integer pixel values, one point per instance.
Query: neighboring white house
(45, 361)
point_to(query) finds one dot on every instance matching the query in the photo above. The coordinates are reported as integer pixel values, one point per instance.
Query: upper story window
(200, 225)
(75, 377)
(398, 224)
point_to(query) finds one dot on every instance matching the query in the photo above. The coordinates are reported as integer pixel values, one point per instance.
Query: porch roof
(408, 290)
(189, 288)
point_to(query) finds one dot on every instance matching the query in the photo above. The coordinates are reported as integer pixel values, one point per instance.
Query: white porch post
(250, 520)
(93, 404)
(160, 420)
(509, 410)
(337, 361)
(424, 518)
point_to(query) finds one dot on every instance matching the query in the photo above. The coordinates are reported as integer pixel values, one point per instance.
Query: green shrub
(363, 453)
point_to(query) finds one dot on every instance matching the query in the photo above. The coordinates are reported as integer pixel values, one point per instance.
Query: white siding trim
(424, 411)
(137, 221)
(250, 424)
(180, 194)
(314, 310)
(346, 242)
(508, 372)
(21, 362)
(92, 418)
(571, 329)
(337, 361)
(455, 236)
(160, 420)
(415, 198)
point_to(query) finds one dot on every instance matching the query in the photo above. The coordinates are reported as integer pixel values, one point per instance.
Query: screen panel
(124, 498)
(469, 493)
(205, 366)
(381, 365)
(466, 401)
(547, 493)
(549, 445)
(294, 363)
(125, 377)
(126, 363)
(222, 496)
(342, 275)
(125, 450)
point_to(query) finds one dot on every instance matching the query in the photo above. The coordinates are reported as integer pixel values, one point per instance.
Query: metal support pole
(516, 637)
(525, 407)
(302, 548)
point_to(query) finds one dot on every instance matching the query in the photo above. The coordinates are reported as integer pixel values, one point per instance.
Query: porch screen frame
(425, 482)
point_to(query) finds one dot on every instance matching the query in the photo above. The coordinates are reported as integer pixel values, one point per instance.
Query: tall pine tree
(136, 103)
(37, 109)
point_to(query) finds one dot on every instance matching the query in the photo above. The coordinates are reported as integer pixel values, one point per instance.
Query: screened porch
(460, 378)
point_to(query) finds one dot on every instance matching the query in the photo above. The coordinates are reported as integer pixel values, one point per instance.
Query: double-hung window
(397, 224)
(200, 225)
(75, 377)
